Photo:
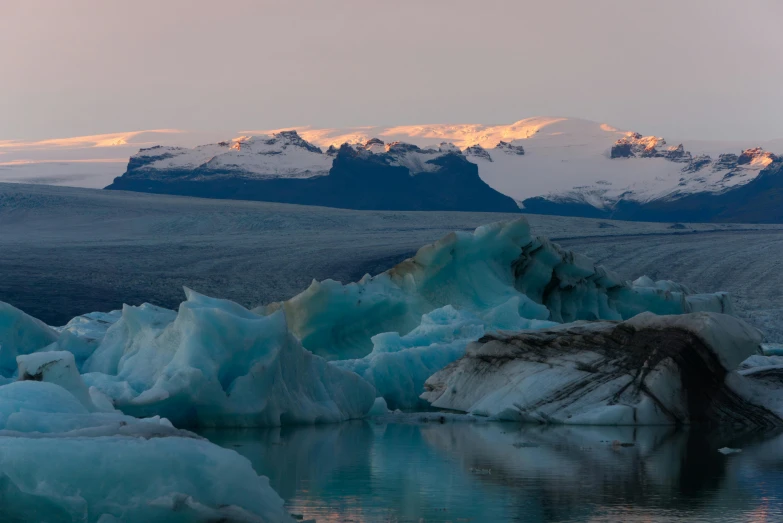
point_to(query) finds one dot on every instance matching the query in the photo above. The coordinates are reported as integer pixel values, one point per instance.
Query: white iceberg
(214, 363)
(20, 333)
(64, 459)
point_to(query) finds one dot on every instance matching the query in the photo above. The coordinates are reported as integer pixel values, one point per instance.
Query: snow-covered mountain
(548, 165)
(283, 155)
(579, 167)
(284, 167)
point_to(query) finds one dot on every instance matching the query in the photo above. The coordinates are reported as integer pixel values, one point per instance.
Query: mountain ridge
(548, 165)
(373, 175)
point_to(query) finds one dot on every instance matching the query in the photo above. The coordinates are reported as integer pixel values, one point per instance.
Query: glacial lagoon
(371, 471)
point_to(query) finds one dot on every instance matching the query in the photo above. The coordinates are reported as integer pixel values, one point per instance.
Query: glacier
(327, 353)
(67, 455)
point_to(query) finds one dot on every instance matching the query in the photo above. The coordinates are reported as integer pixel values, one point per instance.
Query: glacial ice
(762, 381)
(396, 329)
(477, 272)
(398, 365)
(20, 334)
(131, 479)
(648, 370)
(214, 363)
(62, 458)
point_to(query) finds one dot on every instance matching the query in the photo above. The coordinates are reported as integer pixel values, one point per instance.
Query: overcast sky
(685, 68)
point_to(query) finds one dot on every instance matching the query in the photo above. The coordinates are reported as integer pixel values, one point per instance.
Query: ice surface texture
(477, 272)
(648, 370)
(66, 457)
(214, 363)
(400, 326)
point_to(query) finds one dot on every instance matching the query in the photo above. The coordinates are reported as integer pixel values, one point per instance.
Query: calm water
(459, 472)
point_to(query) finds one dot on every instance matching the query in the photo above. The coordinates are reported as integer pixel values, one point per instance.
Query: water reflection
(366, 472)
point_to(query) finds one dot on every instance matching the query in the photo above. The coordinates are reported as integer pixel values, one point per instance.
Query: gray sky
(708, 69)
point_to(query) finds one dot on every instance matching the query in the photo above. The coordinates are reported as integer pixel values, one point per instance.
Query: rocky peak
(698, 163)
(635, 145)
(286, 138)
(508, 148)
(725, 161)
(447, 147)
(375, 145)
(477, 151)
(402, 148)
(677, 154)
(757, 156)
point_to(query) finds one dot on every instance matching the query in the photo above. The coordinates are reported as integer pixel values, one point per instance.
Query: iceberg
(477, 272)
(215, 363)
(762, 381)
(20, 333)
(64, 458)
(396, 329)
(649, 370)
(398, 365)
(325, 354)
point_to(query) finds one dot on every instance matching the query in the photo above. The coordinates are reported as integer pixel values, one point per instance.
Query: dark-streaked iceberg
(649, 370)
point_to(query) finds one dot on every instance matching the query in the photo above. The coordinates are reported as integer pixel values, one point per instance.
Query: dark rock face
(373, 141)
(358, 179)
(508, 148)
(138, 162)
(677, 154)
(637, 146)
(293, 138)
(647, 370)
(622, 150)
(697, 164)
(726, 161)
(478, 152)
